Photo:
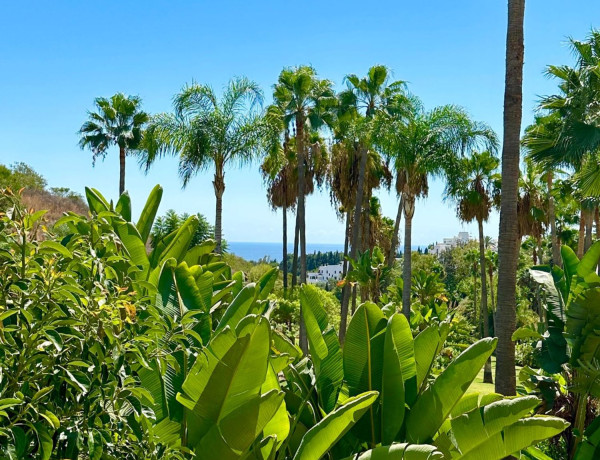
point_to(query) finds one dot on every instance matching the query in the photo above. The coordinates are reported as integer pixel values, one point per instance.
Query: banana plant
(414, 407)
(569, 337)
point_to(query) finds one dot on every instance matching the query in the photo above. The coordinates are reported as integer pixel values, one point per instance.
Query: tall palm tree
(474, 185)
(422, 145)
(118, 121)
(508, 240)
(541, 137)
(278, 170)
(532, 206)
(307, 101)
(207, 131)
(364, 100)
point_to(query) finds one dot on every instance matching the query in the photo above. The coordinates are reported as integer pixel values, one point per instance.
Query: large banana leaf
(266, 283)
(590, 446)
(363, 363)
(123, 207)
(146, 220)
(476, 426)
(399, 376)
(96, 202)
(436, 402)
(134, 245)
(324, 347)
(401, 452)
(323, 436)
(554, 346)
(428, 343)
(241, 306)
(177, 247)
(516, 437)
(223, 387)
(583, 322)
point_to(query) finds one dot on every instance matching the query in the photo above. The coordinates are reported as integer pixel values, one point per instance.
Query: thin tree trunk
(492, 290)
(589, 226)
(122, 153)
(355, 231)
(285, 268)
(301, 218)
(295, 256)
(345, 290)
(394, 248)
(581, 238)
(556, 258)
(508, 245)
(487, 370)
(476, 306)
(409, 211)
(219, 186)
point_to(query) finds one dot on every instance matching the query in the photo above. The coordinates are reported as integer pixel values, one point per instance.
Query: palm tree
(474, 186)
(508, 244)
(206, 131)
(364, 100)
(278, 171)
(542, 136)
(306, 101)
(426, 144)
(117, 121)
(532, 207)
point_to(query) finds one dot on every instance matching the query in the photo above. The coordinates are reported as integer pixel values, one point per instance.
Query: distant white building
(449, 243)
(325, 273)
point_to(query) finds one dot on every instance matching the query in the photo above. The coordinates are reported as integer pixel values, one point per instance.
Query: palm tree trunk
(589, 226)
(301, 219)
(508, 244)
(122, 153)
(355, 229)
(393, 249)
(487, 370)
(285, 268)
(295, 256)
(556, 258)
(491, 274)
(409, 211)
(345, 290)
(581, 239)
(219, 186)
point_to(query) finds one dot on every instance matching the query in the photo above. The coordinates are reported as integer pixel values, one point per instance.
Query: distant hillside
(36, 195)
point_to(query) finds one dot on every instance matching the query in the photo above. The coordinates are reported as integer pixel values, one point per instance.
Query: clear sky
(56, 57)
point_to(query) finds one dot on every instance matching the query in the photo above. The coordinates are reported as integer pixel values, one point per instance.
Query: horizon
(448, 55)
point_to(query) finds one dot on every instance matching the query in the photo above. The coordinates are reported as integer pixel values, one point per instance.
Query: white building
(449, 243)
(325, 273)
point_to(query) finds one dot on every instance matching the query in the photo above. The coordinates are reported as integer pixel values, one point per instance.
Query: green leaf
(525, 333)
(226, 376)
(516, 437)
(324, 435)
(266, 283)
(476, 426)
(363, 362)
(53, 246)
(123, 207)
(570, 262)
(589, 261)
(146, 220)
(399, 371)
(96, 202)
(46, 443)
(436, 402)
(427, 345)
(133, 243)
(324, 347)
(401, 452)
(239, 307)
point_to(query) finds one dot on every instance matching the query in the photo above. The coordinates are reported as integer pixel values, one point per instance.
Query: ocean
(255, 251)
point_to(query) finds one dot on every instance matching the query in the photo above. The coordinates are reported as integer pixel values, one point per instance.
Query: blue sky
(55, 58)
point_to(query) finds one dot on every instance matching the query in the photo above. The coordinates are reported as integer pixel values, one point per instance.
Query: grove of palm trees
(135, 329)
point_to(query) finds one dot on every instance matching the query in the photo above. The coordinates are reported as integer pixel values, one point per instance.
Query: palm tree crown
(117, 121)
(207, 131)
